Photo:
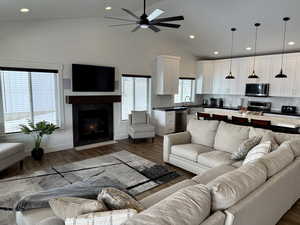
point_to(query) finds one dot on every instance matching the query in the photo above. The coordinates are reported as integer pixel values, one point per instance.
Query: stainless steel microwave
(259, 90)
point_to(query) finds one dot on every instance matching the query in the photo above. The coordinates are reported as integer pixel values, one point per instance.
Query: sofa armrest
(175, 139)
(218, 218)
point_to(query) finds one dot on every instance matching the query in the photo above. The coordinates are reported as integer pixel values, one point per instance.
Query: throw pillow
(245, 147)
(70, 207)
(116, 217)
(116, 199)
(270, 137)
(257, 152)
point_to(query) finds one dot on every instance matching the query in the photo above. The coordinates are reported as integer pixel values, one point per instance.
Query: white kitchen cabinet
(164, 122)
(263, 68)
(167, 72)
(284, 87)
(245, 69)
(204, 82)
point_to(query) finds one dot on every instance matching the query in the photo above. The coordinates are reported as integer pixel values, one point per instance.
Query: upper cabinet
(211, 75)
(167, 73)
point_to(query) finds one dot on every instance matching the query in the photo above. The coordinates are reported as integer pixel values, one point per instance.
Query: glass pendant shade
(253, 74)
(230, 76)
(281, 74)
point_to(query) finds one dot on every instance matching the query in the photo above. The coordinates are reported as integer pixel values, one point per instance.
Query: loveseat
(223, 192)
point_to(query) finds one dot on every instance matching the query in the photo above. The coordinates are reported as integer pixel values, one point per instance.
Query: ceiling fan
(145, 21)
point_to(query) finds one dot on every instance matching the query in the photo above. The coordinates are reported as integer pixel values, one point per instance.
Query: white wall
(88, 41)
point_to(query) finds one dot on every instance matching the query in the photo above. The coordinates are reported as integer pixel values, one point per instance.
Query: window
(135, 94)
(28, 94)
(186, 90)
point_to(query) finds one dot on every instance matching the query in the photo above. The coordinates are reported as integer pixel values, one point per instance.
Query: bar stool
(220, 117)
(240, 120)
(205, 116)
(266, 124)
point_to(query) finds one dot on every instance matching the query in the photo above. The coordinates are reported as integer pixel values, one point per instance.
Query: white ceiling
(209, 20)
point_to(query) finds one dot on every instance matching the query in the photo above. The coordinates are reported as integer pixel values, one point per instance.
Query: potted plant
(38, 131)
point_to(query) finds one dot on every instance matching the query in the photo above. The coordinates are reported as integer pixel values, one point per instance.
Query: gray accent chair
(139, 126)
(11, 153)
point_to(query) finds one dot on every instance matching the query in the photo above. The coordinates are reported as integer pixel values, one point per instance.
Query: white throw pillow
(258, 152)
(115, 217)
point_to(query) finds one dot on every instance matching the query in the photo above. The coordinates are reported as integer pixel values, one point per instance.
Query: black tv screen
(87, 78)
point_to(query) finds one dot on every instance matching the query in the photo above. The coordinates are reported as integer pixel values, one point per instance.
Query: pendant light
(253, 75)
(230, 76)
(281, 74)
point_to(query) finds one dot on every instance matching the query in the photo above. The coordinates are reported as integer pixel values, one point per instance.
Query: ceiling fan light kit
(253, 75)
(281, 74)
(144, 21)
(230, 76)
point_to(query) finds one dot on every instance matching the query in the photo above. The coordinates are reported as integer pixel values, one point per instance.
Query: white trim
(80, 148)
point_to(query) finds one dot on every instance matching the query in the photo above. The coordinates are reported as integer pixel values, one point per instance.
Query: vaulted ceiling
(209, 20)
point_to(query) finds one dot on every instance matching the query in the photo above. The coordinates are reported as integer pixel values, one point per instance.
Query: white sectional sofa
(223, 192)
(11, 153)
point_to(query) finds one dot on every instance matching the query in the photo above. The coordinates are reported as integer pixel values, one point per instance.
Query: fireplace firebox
(92, 123)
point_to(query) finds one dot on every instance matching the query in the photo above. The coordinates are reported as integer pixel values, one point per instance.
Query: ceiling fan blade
(156, 13)
(124, 24)
(154, 28)
(171, 25)
(131, 13)
(135, 29)
(116, 18)
(168, 19)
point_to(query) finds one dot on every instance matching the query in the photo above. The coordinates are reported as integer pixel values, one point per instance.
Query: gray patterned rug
(122, 169)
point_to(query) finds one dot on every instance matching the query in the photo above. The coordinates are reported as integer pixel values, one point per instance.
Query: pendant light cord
(255, 45)
(231, 52)
(144, 6)
(283, 44)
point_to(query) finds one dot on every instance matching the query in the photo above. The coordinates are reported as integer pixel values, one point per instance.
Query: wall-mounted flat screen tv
(88, 78)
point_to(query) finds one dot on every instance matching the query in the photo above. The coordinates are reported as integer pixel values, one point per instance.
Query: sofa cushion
(269, 136)
(215, 158)
(279, 159)
(33, 216)
(138, 117)
(229, 137)
(189, 151)
(258, 152)
(237, 164)
(203, 132)
(245, 147)
(166, 192)
(231, 187)
(7, 149)
(141, 128)
(188, 206)
(52, 221)
(116, 199)
(295, 146)
(282, 137)
(211, 174)
(115, 217)
(70, 207)
(257, 132)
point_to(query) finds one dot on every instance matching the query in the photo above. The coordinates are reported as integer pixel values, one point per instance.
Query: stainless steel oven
(259, 90)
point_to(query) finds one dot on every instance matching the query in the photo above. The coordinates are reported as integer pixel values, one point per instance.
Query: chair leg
(21, 164)
(152, 140)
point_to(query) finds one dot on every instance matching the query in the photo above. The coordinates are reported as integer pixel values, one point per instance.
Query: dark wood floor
(148, 150)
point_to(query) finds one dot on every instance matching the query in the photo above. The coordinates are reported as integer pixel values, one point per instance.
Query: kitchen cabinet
(167, 72)
(204, 81)
(164, 122)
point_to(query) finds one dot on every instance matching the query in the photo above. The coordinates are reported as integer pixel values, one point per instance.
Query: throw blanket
(89, 190)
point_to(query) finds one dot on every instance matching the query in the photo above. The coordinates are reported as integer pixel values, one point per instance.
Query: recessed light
(216, 53)
(291, 43)
(248, 48)
(192, 36)
(108, 8)
(24, 10)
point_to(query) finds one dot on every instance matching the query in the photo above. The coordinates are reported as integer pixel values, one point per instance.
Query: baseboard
(80, 148)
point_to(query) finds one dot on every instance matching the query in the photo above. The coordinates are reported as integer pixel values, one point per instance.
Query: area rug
(121, 169)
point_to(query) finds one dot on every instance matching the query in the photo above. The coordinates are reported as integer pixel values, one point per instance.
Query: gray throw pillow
(66, 207)
(245, 147)
(115, 199)
(270, 137)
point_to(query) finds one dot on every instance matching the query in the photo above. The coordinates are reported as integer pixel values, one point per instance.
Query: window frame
(59, 93)
(149, 79)
(193, 90)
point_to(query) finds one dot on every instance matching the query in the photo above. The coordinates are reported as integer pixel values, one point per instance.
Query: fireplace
(92, 123)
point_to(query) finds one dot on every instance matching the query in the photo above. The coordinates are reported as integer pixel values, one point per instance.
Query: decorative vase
(37, 153)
